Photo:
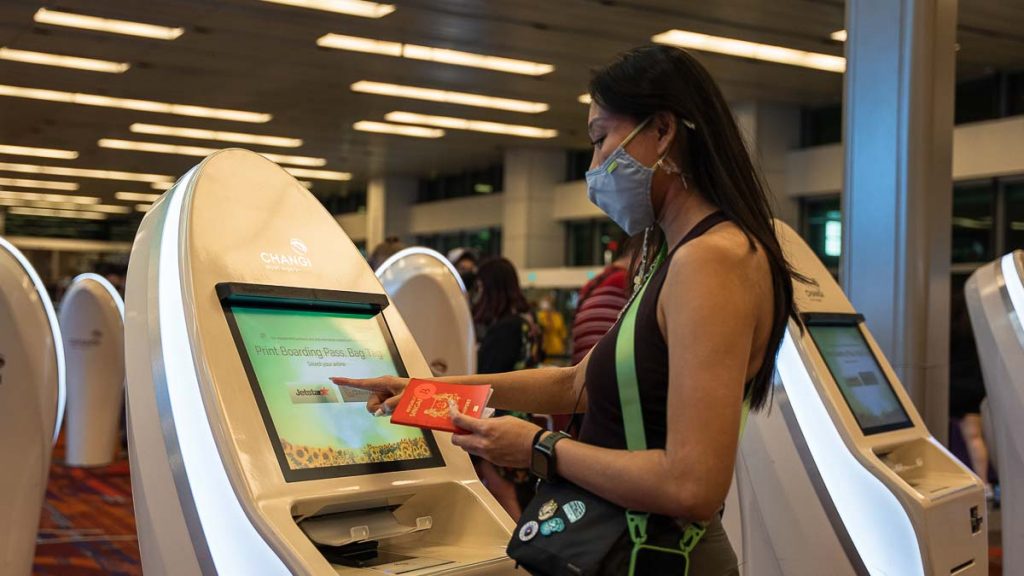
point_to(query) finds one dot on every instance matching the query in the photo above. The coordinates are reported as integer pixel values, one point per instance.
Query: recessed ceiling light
(101, 208)
(116, 144)
(838, 35)
(49, 212)
(351, 7)
(40, 152)
(430, 54)
(133, 104)
(161, 185)
(473, 125)
(62, 61)
(83, 172)
(318, 174)
(448, 97)
(143, 207)
(398, 129)
(584, 98)
(44, 184)
(57, 18)
(37, 196)
(137, 196)
(215, 135)
(753, 50)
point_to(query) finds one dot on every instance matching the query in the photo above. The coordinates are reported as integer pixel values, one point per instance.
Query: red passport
(424, 404)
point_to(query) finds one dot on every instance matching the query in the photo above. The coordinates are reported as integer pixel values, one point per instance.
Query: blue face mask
(621, 187)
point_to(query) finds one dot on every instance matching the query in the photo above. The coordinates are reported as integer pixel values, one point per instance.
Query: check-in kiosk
(995, 302)
(244, 297)
(92, 324)
(841, 476)
(429, 294)
(31, 405)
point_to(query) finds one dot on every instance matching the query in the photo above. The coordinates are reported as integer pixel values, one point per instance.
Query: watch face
(539, 464)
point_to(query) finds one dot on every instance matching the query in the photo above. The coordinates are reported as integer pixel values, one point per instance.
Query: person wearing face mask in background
(465, 262)
(711, 295)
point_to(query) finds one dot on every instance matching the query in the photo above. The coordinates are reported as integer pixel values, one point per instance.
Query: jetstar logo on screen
(288, 262)
(313, 394)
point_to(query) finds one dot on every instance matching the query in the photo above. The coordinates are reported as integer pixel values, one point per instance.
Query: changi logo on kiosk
(812, 290)
(94, 339)
(288, 262)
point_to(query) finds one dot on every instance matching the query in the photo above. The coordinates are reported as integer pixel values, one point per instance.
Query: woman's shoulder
(725, 246)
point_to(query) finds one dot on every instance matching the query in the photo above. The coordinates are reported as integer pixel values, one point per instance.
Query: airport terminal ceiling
(259, 56)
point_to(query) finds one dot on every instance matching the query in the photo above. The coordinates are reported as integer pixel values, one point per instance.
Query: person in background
(600, 302)
(509, 340)
(553, 324)
(966, 388)
(386, 249)
(465, 262)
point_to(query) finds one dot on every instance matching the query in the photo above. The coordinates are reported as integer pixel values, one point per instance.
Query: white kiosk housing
(92, 323)
(429, 294)
(995, 301)
(31, 405)
(244, 296)
(841, 476)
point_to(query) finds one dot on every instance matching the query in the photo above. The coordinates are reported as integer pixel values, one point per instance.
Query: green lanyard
(633, 425)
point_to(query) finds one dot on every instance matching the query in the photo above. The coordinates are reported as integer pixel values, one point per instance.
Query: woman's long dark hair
(500, 294)
(652, 79)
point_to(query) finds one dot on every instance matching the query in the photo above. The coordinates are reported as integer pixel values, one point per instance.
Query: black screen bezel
(856, 322)
(285, 298)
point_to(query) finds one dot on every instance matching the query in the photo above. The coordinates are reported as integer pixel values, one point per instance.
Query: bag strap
(633, 417)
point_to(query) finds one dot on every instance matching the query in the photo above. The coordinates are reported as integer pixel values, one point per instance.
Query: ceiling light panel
(116, 144)
(838, 35)
(49, 212)
(360, 8)
(44, 184)
(41, 197)
(161, 185)
(398, 129)
(472, 125)
(38, 152)
(584, 98)
(126, 27)
(430, 54)
(46, 59)
(449, 97)
(101, 208)
(214, 135)
(83, 173)
(83, 99)
(137, 196)
(752, 50)
(319, 174)
(143, 207)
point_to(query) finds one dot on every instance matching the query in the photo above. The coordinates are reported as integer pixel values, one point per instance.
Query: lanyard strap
(633, 418)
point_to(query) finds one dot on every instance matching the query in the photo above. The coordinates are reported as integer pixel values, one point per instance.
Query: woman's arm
(542, 390)
(711, 319)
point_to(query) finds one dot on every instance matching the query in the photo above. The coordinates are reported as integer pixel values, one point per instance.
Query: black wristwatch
(542, 459)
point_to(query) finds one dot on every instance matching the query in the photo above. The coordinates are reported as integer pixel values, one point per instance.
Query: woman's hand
(504, 441)
(385, 391)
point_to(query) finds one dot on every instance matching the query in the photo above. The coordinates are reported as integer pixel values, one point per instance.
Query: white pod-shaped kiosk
(840, 475)
(995, 302)
(244, 297)
(428, 292)
(31, 405)
(92, 323)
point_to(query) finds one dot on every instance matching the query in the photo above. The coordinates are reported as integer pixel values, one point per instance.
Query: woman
(669, 163)
(507, 337)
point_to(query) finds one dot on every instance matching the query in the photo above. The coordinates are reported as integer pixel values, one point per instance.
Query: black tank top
(602, 425)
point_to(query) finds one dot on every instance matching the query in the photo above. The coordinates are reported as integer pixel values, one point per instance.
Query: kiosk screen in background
(863, 384)
(292, 353)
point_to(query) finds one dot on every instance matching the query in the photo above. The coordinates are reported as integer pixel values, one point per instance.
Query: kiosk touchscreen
(244, 298)
(92, 323)
(31, 405)
(840, 472)
(429, 294)
(995, 302)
